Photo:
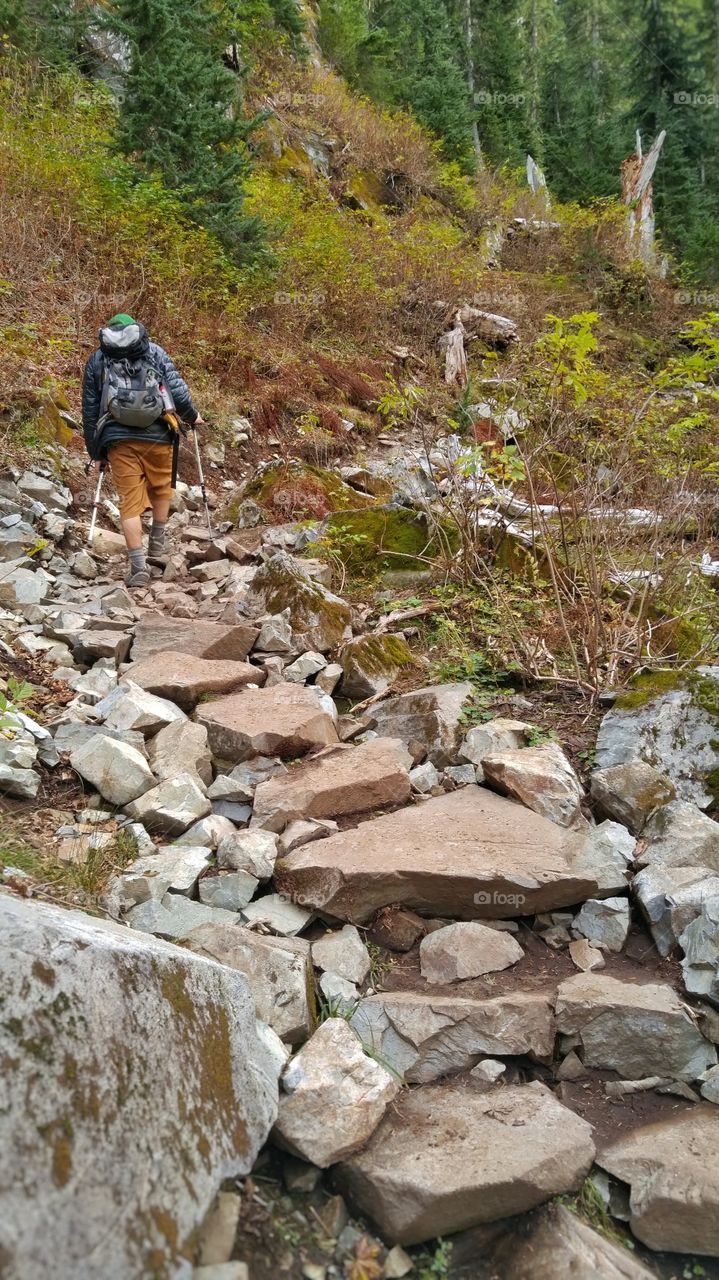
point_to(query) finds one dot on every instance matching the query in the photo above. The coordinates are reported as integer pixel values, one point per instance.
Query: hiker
(132, 397)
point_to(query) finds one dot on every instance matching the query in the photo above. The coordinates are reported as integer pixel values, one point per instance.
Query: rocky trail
(416, 998)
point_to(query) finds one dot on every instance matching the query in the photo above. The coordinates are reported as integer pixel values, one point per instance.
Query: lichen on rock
(670, 720)
(135, 1081)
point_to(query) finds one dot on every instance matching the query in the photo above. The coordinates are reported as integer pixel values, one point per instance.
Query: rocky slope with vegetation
(360, 875)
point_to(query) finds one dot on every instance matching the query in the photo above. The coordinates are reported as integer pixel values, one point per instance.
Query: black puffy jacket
(97, 444)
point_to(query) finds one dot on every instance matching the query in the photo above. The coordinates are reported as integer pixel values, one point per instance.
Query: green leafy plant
(19, 693)
(434, 1265)
(336, 1007)
(400, 405)
(538, 736)
(380, 963)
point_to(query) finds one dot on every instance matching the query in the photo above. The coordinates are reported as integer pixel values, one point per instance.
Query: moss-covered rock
(381, 538)
(371, 663)
(319, 619)
(299, 491)
(366, 191)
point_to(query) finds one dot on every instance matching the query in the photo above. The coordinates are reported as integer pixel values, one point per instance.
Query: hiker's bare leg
(160, 510)
(132, 529)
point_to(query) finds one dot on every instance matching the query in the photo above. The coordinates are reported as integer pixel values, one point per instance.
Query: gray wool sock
(157, 535)
(137, 560)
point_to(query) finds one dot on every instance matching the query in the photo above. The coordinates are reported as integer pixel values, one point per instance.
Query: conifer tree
(500, 81)
(52, 31)
(413, 58)
(180, 116)
(671, 97)
(343, 32)
(585, 82)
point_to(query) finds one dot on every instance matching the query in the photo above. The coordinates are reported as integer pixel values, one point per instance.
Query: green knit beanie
(120, 321)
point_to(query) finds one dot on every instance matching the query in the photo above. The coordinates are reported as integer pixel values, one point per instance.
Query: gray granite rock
(94, 1013)
(669, 723)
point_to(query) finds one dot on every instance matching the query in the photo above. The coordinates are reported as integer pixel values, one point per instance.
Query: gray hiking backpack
(132, 390)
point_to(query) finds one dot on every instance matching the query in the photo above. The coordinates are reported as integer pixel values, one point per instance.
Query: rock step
(212, 640)
(446, 1158)
(184, 679)
(466, 855)
(287, 720)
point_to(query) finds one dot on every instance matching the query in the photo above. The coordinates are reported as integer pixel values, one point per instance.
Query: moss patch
(366, 191)
(300, 491)
(375, 656)
(323, 619)
(705, 693)
(649, 685)
(381, 538)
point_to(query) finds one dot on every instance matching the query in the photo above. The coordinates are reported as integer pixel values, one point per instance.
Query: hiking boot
(156, 548)
(137, 578)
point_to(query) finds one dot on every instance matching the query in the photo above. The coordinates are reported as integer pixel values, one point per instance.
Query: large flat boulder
(669, 720)
(279, 972)
(673, 1171)
(423, 1037)
(637, 1029)
(428, 720)
(342, 780)
(184, 679)
(446, 1158)
(467, 855)
(210, 640)
(107, 1038)
(286, 720)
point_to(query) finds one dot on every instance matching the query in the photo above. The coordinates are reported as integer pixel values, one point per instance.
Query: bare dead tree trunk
(455, 356)
(636, 173)
(538, 184)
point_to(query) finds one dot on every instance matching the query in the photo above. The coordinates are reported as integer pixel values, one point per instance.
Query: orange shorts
(142, 474)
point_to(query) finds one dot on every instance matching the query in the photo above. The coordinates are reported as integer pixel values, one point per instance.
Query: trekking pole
(96, 503)
(201, 474)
